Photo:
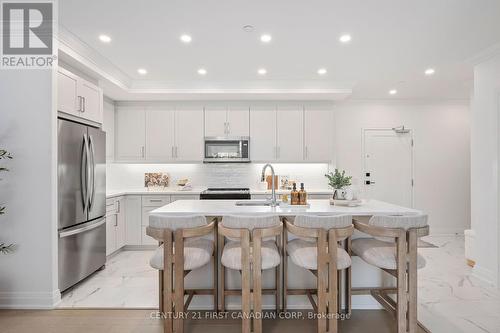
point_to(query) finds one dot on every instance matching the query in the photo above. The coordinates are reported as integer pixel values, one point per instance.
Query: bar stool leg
(167, 283)
(179, 282)
(412, 282)
(222, 272)
(333, 284)
(322, 279)
(160, 291)
(245, 282)
(257, 286)
(402, 301)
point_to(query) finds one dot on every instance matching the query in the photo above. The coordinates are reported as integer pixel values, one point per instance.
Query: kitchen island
(363, 275)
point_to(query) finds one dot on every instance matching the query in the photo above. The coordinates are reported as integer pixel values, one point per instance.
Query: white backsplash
(122, 176)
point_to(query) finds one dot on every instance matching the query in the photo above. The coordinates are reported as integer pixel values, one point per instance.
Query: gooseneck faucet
(263, 178)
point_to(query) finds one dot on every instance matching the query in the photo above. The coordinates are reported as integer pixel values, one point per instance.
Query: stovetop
(225, 193)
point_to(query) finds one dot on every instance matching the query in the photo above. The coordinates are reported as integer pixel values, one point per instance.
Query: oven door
(227, 150)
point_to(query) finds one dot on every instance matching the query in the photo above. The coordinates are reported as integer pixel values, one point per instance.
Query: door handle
(84, 173)
(92, 171)
(81, 229)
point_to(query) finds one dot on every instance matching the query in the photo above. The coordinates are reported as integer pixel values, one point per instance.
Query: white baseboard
(30, 300)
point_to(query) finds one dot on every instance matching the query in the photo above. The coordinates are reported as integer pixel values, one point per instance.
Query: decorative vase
(339, 194)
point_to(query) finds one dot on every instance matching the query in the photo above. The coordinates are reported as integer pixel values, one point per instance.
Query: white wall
(28, 277)
(484, 169)
(441, 152)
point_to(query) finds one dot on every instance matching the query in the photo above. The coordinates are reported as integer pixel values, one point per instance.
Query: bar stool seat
(197, 253)
(305, 254)
(379, 253)
(231, 255)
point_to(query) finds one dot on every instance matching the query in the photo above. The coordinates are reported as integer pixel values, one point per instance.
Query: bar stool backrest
(323, 222)
(176, 222)
(397, 221)
(250, 222)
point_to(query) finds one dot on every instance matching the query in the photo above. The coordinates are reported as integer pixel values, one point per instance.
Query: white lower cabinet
(133, 218)
(115, 224)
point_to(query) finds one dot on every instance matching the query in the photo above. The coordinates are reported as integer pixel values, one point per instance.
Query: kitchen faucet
(273, 191)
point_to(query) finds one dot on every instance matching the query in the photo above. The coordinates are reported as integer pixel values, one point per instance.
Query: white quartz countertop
(317, 207)
(194, 191)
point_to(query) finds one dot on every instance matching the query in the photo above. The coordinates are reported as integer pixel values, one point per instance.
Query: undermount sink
(255, 203)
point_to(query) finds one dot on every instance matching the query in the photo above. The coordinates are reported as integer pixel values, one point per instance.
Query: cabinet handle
(155, 200)
(142, 151)
(116, 220)
(83, 108)
(119, 207)
(306, 152)
(172, 152)
(176, 154)
(228, 128)
(278, 152)
(79, 103)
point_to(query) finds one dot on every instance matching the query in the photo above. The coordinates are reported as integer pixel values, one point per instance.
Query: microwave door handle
(241, 149)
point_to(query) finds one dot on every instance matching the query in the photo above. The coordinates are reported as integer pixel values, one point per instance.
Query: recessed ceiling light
(345, 38)
(262, 71)
(429, 71)
(186, 39)
(202, 71)
(104, 38)
(142, 71)
(322, 71)
(393, 92)
(266, 38)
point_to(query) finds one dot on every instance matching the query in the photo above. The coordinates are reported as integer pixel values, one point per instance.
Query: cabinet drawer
(155, 200)
(184, 197)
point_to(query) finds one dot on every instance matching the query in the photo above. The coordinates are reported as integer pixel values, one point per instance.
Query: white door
(263, 135)
(189, 135)
(238, 122)
(160, 135)
(216, 121)
(67, 86)
(290, 134)
(388, 166)
(92, 101)
(130, 134)
(318, 129)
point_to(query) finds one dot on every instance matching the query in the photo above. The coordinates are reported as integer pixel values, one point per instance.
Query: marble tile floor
(450, 298)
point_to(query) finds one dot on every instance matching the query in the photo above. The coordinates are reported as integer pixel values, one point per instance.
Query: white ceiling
(393, 42)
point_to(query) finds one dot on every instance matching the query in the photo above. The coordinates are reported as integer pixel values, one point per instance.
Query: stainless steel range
(225, 194)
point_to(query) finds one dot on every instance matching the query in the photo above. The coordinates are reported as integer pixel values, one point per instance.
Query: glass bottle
(302, 195)
(294, 196)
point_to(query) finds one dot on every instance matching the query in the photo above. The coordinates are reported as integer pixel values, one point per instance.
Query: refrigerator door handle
(92, 172)
(84, 174)
(82, 229)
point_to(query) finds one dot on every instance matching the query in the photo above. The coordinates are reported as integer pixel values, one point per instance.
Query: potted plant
(338, 182)
(4, 248)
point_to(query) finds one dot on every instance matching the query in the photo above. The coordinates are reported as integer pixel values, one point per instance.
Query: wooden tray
(348, 203)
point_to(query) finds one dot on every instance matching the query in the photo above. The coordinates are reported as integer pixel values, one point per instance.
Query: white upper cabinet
(238, 121)
(290, 134)
(108, 126)
(160, 135)
(67, 100)
(216, 121)
(189, 134)
(318, 146)
(263, 134)
(223, 121)
(79, 97)
(130, 134)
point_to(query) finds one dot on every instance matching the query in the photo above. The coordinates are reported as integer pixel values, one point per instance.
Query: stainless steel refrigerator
(81, 201)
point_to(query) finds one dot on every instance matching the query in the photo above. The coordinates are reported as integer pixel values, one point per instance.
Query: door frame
(412, 156)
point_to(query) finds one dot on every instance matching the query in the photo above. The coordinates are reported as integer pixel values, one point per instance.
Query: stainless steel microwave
(227, 149)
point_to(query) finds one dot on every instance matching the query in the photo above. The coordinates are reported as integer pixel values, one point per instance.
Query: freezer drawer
(82, 251)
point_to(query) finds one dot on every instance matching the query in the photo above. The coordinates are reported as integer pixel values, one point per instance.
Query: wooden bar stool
(317, 250)
(254, 245)
(185, 246)
(394, 250)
